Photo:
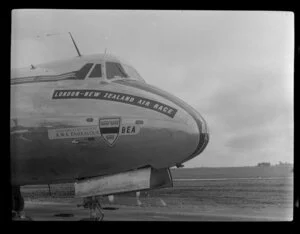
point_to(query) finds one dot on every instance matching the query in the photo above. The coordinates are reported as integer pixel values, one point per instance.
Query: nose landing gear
(94, 205)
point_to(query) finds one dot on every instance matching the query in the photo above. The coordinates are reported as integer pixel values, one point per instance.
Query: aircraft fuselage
(70, 129)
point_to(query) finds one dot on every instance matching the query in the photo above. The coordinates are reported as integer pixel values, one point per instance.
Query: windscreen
(115, 70)
(96, 72)
(132, 73)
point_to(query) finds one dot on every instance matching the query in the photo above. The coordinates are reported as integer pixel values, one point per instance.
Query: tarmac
(60, 211)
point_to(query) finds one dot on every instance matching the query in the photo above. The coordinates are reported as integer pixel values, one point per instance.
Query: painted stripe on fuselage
(115, 96)
(74, 75)
(38, 79)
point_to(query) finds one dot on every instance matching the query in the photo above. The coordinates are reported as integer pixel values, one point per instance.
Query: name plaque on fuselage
(117, 97)
(77, 132)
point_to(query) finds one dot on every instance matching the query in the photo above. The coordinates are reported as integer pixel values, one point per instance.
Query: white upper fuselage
(68, 65)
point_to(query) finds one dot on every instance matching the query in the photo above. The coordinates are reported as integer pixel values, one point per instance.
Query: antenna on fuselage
(79, 55)
(74, 43)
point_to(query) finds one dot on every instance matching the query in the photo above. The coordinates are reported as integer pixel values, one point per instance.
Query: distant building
(284, 164)
(264, 164)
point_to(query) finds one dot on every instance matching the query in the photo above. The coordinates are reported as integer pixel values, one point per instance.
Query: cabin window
(115, 70)
(96, 72)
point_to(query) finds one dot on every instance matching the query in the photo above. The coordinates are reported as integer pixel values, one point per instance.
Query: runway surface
(60, 212)
(253, 198)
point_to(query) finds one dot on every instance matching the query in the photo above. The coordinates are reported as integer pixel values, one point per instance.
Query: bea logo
(129, 130)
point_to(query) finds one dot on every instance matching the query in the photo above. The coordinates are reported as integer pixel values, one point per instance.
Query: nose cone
(194, 141)
(203, 133)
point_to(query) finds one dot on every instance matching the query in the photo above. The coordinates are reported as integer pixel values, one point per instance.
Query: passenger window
(96, 72)
(115, 70)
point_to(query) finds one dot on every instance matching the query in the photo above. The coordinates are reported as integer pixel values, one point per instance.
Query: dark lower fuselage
(65, 130)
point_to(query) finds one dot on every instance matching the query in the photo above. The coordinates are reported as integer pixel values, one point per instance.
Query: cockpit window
(81, 74)
(132, 73)
(115, 70)
(96, 72)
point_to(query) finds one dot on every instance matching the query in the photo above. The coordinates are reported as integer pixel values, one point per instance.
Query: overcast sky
(235, 68)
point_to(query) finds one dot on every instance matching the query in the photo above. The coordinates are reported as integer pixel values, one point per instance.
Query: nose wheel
(94, 205)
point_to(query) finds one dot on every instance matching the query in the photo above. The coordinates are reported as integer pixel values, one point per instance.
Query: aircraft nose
(203, 133)
(192, 120)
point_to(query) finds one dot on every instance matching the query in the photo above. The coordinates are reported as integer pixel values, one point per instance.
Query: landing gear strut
(17, 203)
(94, 205)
